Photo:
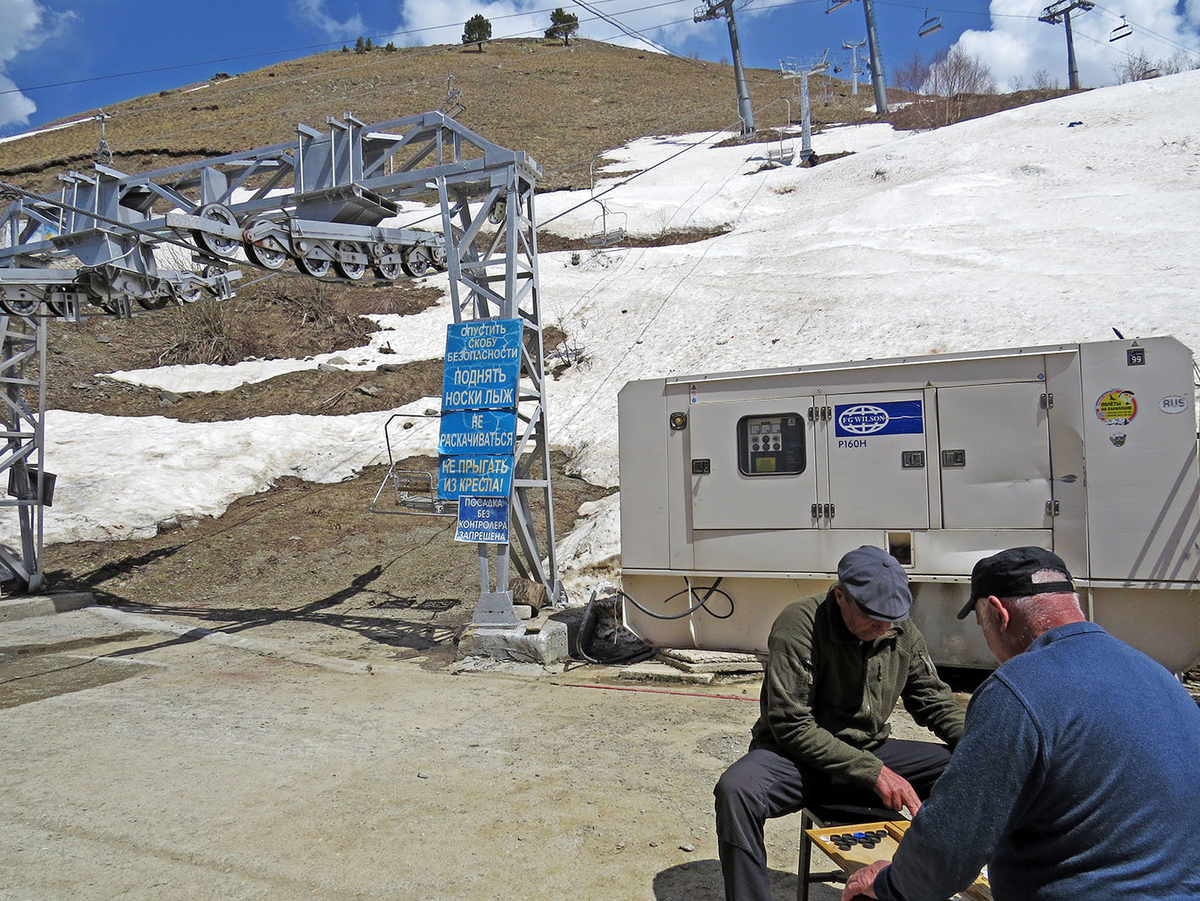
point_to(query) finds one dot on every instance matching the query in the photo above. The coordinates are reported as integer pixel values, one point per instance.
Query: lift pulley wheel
(218, 245)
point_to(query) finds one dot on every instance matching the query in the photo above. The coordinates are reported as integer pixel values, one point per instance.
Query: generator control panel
(771, 445)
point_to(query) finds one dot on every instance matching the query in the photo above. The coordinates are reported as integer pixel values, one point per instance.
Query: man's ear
(1000, 612)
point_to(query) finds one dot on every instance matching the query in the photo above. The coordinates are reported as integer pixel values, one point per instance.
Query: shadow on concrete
(383, 628)
(700, 880)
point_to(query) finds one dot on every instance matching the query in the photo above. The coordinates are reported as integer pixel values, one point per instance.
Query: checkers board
(858, 846)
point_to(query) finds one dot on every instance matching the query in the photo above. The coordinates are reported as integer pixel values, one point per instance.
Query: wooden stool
(820, 816)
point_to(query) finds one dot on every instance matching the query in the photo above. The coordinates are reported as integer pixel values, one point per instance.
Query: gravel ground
(147, 761)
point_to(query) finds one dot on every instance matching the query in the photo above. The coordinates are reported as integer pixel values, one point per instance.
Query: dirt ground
(146, 761)
(300, 552)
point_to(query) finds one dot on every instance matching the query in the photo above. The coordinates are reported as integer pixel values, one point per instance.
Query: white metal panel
(726, 498)
(1143, 489)
(867, 436)
(641, 420)
(1002, 432)
(1066, 459)
(756, 604)
(779, 550)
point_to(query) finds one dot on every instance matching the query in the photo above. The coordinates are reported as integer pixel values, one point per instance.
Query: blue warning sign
(482, 519)
(483, 365)
(474, 477)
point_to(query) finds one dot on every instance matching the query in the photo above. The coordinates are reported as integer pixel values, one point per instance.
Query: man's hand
(863, 882)
(896, 792)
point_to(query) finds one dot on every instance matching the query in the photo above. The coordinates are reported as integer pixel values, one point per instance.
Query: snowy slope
(1017, 229)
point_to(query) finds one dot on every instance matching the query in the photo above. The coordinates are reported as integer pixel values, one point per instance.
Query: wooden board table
(869, 842)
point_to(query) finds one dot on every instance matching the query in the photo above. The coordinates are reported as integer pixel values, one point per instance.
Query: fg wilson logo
(863, 419)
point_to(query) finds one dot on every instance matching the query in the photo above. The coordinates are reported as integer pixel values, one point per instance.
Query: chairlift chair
(784, 154)
(1123, 30)
(930, 25)
(414, 493)
(836, 4)
(602, 234)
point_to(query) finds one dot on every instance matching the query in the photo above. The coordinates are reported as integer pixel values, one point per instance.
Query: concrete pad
(661, 672)
(697, 661)
(44, 604)
(547, 645)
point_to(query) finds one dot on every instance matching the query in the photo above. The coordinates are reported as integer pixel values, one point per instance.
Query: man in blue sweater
(1077, 775)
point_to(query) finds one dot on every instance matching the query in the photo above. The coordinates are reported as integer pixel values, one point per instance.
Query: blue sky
(59, 57)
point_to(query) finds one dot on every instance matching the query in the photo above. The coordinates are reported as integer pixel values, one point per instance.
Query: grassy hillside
(561, 104)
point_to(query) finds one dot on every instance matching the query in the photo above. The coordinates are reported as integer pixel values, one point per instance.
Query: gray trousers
(765, 784)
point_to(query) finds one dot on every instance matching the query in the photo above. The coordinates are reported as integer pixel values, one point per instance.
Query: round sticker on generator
(1116, 407)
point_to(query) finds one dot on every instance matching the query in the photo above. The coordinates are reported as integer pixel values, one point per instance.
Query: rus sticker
(1173, 403)
(1116, 407)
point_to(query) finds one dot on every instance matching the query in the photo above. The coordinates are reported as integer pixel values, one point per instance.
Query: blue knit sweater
(1078, 777)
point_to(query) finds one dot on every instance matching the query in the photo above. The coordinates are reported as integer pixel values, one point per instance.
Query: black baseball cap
(877, 581)
(1009, 574)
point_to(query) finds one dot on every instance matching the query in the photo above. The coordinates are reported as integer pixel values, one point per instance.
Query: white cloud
(27, 25)
(1018, 45)
(312, 12)
(15, 108)
(425, 22)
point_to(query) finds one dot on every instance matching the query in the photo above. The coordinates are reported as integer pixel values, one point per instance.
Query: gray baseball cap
(877, 581)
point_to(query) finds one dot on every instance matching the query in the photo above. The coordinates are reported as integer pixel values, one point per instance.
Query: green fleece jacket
(827, 696)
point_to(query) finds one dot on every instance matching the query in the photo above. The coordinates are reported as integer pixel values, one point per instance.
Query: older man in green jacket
(838, 663)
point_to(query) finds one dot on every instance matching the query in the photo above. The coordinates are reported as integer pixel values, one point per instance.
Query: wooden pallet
(854, 858)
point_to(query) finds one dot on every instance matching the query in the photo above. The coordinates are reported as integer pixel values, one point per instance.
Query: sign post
(477, 445)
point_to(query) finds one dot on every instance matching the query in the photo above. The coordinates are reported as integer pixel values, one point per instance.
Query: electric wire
(587, 630)
(323, 45)
(691, 592)
(368, 64)
(587, 403)
(656, 691)
(305, 78)
(987, 13)
(1142, 29)
(637, 35)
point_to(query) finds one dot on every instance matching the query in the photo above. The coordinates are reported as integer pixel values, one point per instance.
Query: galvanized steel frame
(22, 373)
(333, 190)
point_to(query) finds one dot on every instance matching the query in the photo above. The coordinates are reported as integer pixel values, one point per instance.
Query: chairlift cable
(325, 45)
(277, 82)
(152, 236)
(1142, 29)
(365, 93)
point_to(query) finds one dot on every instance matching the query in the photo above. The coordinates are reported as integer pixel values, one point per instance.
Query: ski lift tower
(714, 9)
(853, 48)
(1061, 12)
(317, 202)
(875, 55)
(793, 68)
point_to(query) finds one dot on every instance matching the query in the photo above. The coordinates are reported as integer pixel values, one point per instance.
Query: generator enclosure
(758, 482)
